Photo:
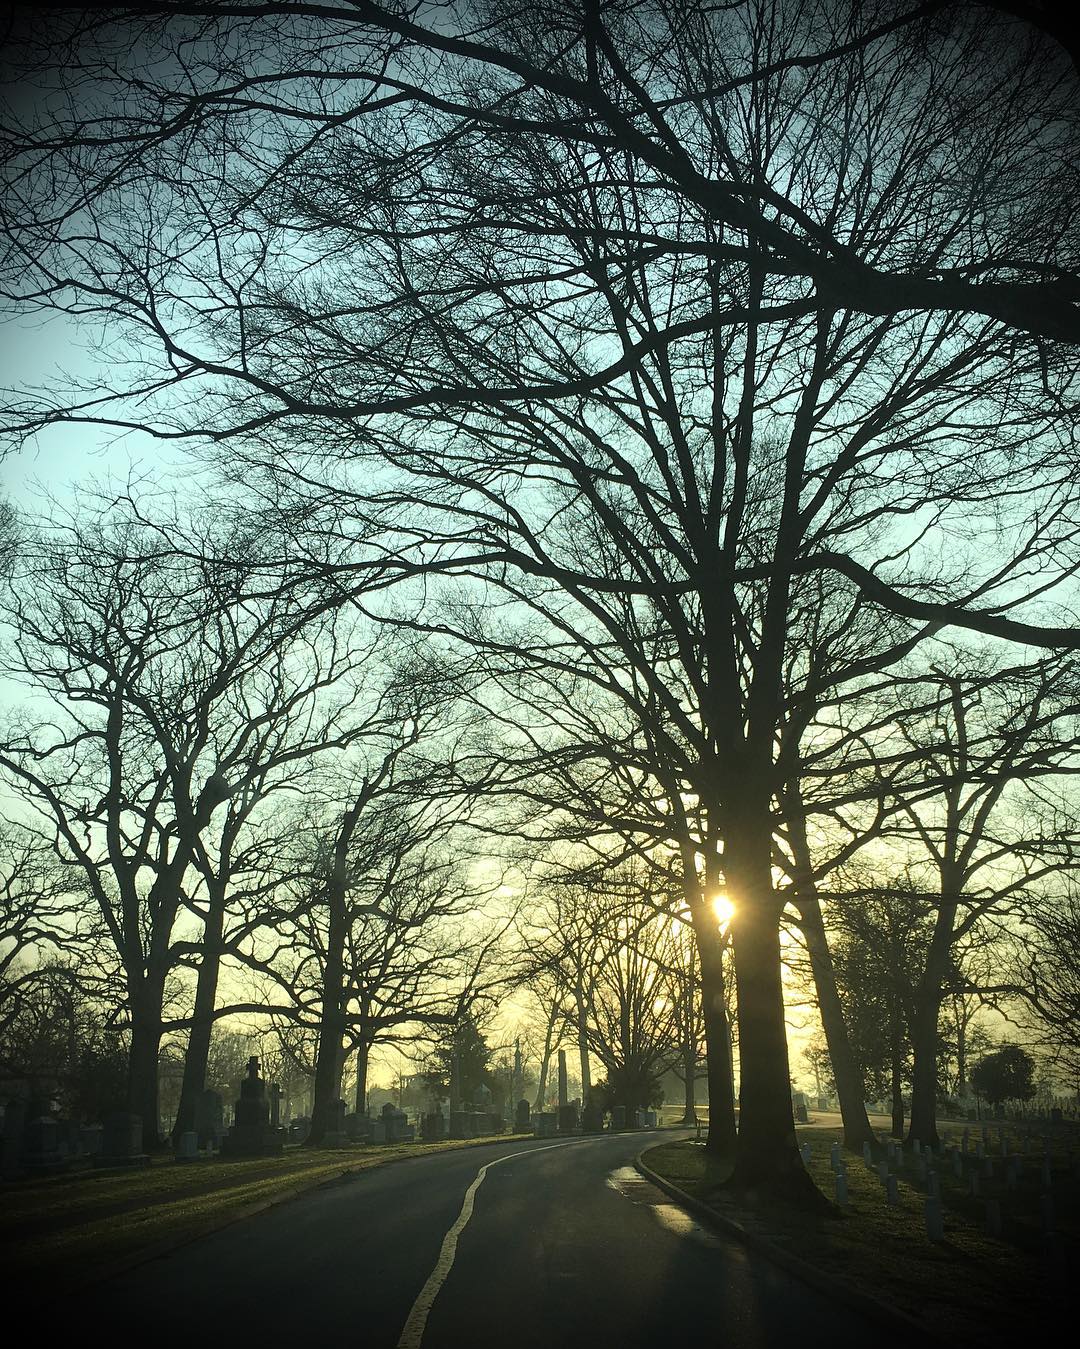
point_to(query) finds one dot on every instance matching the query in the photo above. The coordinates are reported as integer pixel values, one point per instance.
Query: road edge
(889, 1315)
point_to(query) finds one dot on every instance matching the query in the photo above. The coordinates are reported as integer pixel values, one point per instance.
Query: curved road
(560, 1244)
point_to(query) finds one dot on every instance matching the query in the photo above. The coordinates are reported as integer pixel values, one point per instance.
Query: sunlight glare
(724, 910)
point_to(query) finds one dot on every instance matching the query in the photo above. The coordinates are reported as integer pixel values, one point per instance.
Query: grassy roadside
(969, 1287)
(69, 1229)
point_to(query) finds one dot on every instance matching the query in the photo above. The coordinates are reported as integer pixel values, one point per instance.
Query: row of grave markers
(894, 1160)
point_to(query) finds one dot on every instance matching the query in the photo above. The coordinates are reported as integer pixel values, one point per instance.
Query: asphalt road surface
(521, 1244)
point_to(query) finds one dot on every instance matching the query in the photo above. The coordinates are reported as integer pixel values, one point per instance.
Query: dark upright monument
(252, 1134)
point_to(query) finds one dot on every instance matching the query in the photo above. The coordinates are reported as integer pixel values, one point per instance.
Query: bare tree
(658, 313)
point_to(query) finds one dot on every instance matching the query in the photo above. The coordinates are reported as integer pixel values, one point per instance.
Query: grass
(71, 1228)
(968, 1287)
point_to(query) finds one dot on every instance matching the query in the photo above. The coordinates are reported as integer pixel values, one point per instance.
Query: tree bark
(197, 1054)
(924, 1077)
(545, 1060)
(849, 1085)
(328, 1060)
(689, 1085)
(924, 1026)
(146, 1032)
(583, 1044)
(722, 1139)
(363, 1049)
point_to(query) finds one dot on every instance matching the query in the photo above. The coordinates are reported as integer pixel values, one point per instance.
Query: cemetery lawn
(72, 1228)
(969, 1287)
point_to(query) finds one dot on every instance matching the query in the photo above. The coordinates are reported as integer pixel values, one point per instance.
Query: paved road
(565, 1245)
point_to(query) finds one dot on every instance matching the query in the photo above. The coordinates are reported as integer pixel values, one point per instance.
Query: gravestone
(618, 1117)
(522, 1122)
(337, 1135)
(834, 1156)
(359, 1127)
(841, 1189)
(121, 1141)
(543, 1124)
(40, 1152)
(433, 1126)
(892, 1192)
(592, 1119)
(90, 1140)
(568, 1119)
(209, 1118)
(299, 1128)
(187, 1147)
(460, 1121)
(393, 1126)
(68, 1139)
(251, 1134)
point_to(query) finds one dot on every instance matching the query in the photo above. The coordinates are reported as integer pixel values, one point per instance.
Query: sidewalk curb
(890, 1317)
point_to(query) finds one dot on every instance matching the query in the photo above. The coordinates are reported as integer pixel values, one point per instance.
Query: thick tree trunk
(924, 1077)
(202, 1027)
(849, 1085)
(327, 1087)
(924, 1022)
(146, 1032)
(722, 1138)
(767, 1152)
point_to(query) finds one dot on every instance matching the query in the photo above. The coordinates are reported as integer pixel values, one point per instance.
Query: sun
(724, 910)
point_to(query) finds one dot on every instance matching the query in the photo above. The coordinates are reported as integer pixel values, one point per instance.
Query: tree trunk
(545, 1060)
(924, 1024)
(583, 1045)
(327, 1087)
(363, 1049)
(202, 1026)
(849, 1085)
(722, 1139)
(924, 1038)
(146, 1032)
(689, 1085)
